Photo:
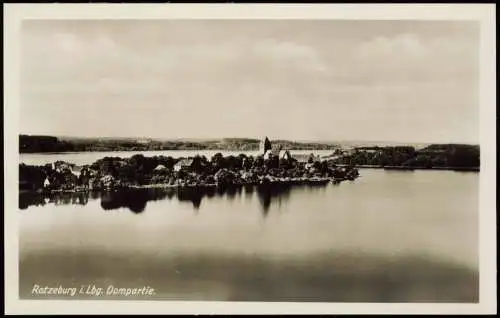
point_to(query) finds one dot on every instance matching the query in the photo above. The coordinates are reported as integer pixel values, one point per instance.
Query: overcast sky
(308, 80)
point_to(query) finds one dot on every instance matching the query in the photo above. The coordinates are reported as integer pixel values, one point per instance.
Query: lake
(388, 236)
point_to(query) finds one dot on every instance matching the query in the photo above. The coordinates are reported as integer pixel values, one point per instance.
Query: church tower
(265, 145)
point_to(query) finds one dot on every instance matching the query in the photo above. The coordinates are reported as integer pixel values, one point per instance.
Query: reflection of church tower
(265, 145)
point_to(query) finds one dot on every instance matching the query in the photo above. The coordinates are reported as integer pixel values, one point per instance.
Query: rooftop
(184, 162)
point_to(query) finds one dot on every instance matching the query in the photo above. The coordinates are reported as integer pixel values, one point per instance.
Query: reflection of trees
(36, 199)
(28, 199)
(231, 192)
(210, 192)
(95, 195)
(279, 193)
(80, 198)
(191, 194)
(136, 199)
(267, 193)
(249, 189)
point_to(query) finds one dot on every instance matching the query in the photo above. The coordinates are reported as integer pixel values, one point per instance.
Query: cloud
(298, 54)
(251, 77)
(100, 63)
(405, 59)
(197, 57)
(63, 53)
(399, 46)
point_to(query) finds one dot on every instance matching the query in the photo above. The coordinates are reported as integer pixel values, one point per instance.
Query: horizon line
(254, 138)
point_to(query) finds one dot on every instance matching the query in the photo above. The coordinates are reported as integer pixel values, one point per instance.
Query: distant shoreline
(468, 169)
(160, 150)
(326, 148)
(52, 144)
(36, 144)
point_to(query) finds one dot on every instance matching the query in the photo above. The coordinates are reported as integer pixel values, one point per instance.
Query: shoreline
(469, 169)
(294, 182)
(160, 150)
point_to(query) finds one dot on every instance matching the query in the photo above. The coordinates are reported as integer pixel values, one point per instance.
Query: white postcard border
(485, 14)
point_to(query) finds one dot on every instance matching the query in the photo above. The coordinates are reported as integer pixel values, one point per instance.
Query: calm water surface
(389, 236)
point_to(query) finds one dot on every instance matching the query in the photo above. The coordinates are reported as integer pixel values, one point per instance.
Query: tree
(218, 161)
(32, 176)
(284, 163)
(258, 162)
(311, 158)
(248, 162)
(200, 164)
(272, 162)
(232, 162)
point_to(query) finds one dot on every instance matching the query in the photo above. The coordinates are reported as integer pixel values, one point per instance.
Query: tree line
(433, 156)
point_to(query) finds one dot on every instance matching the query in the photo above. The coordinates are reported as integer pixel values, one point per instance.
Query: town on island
(273, 164)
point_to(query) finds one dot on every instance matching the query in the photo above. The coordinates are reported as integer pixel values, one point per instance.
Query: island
(273, 166)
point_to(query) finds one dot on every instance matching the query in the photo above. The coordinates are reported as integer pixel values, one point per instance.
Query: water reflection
(385, 239)
(136, 199)
(266, 195)
(135, 202)
(37, 199)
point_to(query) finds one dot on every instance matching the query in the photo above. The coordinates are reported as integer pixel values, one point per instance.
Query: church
(267, 150)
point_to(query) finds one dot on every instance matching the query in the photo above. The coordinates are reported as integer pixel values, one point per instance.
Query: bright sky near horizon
(402, 81)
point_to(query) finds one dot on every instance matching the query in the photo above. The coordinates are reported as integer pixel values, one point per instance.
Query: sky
(324, 80)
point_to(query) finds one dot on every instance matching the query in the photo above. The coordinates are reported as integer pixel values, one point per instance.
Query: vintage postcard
(331, 159)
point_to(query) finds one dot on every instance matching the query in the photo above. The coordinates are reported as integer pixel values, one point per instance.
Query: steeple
(265, 145)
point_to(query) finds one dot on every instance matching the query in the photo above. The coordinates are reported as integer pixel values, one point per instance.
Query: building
(265, 145)
(76, 170)
(143, 141)
(286, 155)
(274, 151)
(60, 166)
(160, 168)
(268, 154)
(122, 163)
(107, 180)
(331, 157)
(309, 166)
(305, 158)
(183, 164)
(270, 150)
(348, 151)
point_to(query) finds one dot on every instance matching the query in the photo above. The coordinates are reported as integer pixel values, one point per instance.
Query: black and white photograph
(220, 159)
